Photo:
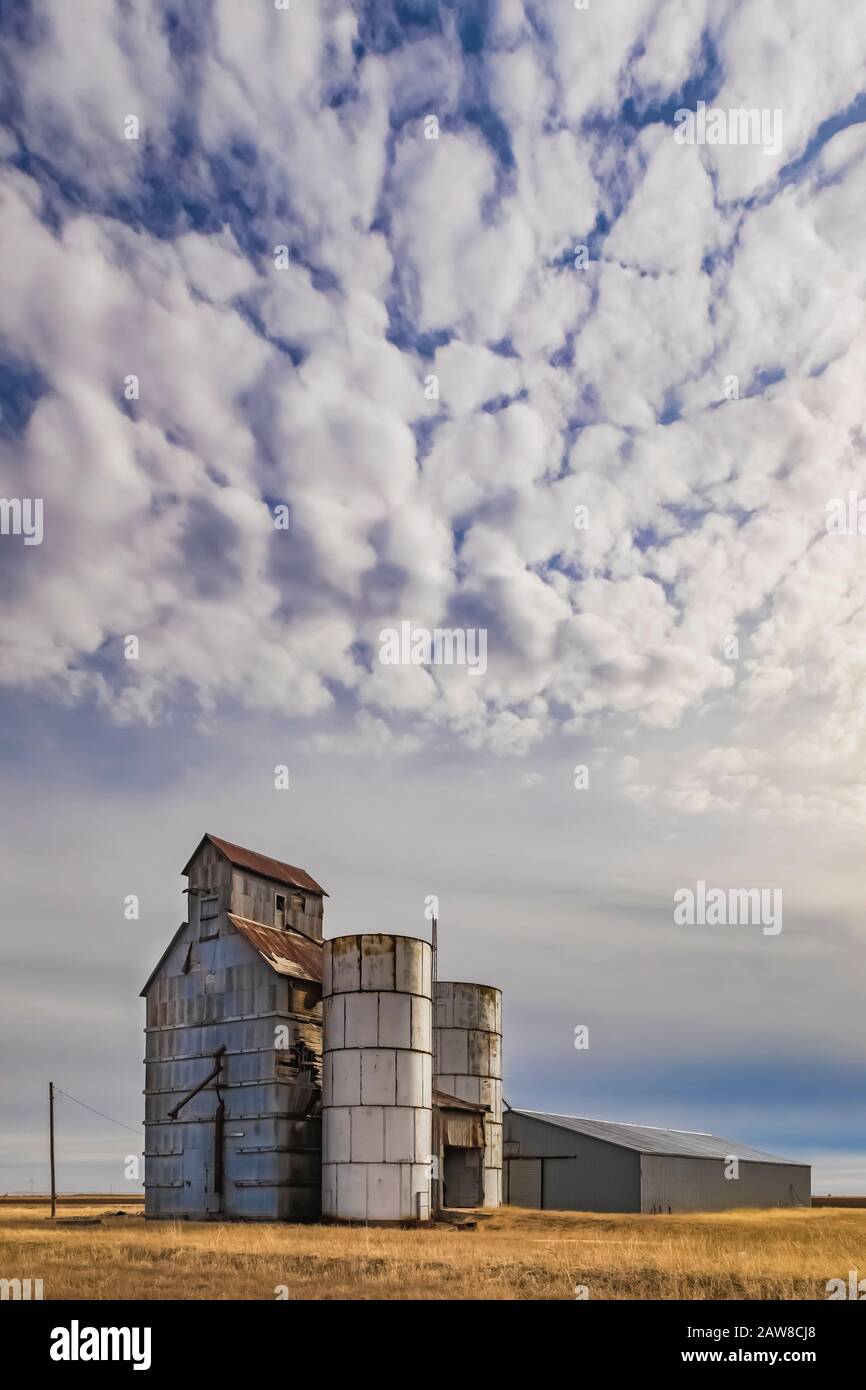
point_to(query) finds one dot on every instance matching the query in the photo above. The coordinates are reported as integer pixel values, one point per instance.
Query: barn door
(213, 1180)
(463, 1177)
(194, 1163)
(524, 1182)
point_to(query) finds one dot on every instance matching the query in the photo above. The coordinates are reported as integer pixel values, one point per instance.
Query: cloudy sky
(443, 283)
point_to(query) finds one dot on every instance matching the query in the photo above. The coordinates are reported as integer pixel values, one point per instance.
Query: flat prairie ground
(512, 1254)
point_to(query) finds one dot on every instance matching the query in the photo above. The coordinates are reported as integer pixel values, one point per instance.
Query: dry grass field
(512, 1254)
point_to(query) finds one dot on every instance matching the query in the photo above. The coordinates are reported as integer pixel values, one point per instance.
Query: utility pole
(435, 1184)
(51, 1146)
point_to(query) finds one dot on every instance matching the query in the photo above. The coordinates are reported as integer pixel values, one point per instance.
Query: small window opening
(209, 911)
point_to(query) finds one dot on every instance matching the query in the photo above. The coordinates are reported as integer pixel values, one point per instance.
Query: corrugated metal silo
(377, 1078)
(468, 1064)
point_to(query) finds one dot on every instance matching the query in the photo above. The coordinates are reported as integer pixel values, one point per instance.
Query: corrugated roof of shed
(647, 1140)
(443, 1101)
(287, 952)
(259, 864)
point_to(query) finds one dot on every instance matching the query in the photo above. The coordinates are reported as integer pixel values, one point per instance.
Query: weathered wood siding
(254, 897)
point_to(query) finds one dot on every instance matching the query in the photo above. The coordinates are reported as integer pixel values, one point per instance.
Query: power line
(58, 1092)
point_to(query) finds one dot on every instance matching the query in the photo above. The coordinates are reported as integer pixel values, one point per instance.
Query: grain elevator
(288, 1077)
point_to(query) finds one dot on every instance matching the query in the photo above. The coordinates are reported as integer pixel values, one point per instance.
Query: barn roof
(259, 864)
(287, 952)
(443, 1101)
(647, 1140)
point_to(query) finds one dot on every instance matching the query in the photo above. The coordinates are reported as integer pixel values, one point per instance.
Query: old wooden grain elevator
(234, 1045)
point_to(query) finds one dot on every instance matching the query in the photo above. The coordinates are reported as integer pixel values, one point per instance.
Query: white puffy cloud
(560, 385)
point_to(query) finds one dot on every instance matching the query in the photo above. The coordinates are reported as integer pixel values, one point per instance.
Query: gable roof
(259, 864)
(286, 952)
(647, 1140)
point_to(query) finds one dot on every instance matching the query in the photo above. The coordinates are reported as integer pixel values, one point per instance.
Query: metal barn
(566, 1163)
(234, 1044)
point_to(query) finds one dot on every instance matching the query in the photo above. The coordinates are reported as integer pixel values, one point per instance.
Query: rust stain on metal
(461, 1131)
(377, 945)
(446, 1102)
(287, 952)
(261, 864)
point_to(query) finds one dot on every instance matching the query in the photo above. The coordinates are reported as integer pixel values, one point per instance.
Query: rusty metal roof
(259, 864)
(287, 952)
(443, 1101)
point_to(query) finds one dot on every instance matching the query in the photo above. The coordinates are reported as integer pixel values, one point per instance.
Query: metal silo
(468, 1064)
(377, 1078)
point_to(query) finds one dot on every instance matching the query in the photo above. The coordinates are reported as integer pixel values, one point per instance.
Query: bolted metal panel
(334, 1018)
(468, 1064)
(345, 1079)
(399, 1132)
(344, 956)
(377, 1078)
(362, 1020)
(394, 1019)
(337, 1132)
(378, 962)
(367, 1137)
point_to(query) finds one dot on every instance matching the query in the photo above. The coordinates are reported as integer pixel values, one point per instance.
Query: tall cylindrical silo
(377, 1078)
(468, 1063)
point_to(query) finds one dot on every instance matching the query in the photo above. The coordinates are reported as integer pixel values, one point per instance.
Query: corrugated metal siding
(271, 1150)
(461, 1129)
(676, 1183)
(255, 898)
(596, 1176)
(523, 1182)
(579, 1172)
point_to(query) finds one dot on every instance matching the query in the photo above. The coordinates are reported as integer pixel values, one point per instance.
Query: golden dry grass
(513, 1254)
